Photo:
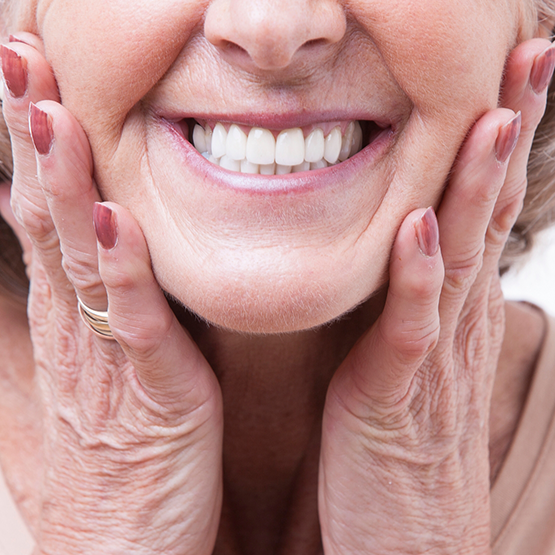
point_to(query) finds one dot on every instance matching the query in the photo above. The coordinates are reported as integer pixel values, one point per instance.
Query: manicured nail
(40, 125)
(427, 233)
(13, 38)
(14, 68)
(507, 138)
(542, 70)
(105, 226)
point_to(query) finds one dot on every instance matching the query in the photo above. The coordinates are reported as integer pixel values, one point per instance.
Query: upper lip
(272, 120)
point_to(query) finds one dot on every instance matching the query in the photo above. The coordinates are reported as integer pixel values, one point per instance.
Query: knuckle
(39, 229)
(461, 272)
(141, 335)
(413, 339)
(118, 282)
(422, 288)
(81, 267)
(34, 218)
(87, 287)
(506, 213)
(481, 197)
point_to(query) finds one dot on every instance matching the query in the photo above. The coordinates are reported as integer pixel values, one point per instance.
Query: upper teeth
(291, 151)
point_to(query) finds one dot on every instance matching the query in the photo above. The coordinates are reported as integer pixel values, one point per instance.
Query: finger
(65, 167)
(28, 78)
(28, 38)
(528, 73)
(467, 207)
(169, 365)
(383, 363)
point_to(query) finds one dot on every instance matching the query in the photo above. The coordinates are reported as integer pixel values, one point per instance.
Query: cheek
(444, 54)
(107, 54)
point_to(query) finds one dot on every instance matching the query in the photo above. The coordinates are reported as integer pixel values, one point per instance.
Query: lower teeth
(233, 149)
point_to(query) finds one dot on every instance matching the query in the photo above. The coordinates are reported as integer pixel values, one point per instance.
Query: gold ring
(95, 320)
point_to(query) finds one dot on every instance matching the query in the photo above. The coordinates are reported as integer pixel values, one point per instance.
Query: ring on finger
(95, 320)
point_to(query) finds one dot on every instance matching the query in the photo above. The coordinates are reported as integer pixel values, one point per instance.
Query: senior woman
(228, 214)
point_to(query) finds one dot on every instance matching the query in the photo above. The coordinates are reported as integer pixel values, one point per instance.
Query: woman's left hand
(404, 464)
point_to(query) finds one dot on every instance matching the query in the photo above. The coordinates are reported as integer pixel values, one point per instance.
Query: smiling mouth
(257, 150)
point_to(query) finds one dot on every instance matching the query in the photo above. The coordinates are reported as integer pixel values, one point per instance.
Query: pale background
(535, 281)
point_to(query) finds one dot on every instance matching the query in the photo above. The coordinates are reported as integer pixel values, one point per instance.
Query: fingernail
(40, 125)
(542, 70)
(13, 38)
(105, 226)
(427, 233)
(14, 68)
(507, 138)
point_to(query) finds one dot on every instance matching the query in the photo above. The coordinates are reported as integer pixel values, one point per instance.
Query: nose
(269, 34)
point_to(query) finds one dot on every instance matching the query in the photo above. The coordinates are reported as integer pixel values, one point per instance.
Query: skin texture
(314, 255)
(318, 422)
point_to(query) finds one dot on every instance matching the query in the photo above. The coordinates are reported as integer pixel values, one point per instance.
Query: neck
(274, 389)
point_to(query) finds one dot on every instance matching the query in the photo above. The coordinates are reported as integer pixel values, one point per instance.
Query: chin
(260, 303)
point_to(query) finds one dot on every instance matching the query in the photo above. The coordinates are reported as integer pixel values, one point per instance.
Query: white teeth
(199, 138)
(229, 163)
(347, 142)
(314, 146)
(236, 143)
(357, 139)
(247, 167)
(282, 170)
(208, 139)
(304, 167)
(333, 146)
(290, 147)
(318, 165)
(219, 139)
(267, 169)
(259, 152)
(261, 146)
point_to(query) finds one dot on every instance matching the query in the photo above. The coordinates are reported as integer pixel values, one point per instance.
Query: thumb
(168, 364)
(382, 365)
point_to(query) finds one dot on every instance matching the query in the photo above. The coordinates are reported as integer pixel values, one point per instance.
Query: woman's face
(261, 253)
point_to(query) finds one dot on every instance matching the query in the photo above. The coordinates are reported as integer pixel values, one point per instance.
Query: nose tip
(268, 34)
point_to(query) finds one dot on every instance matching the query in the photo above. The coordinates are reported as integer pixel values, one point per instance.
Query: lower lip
(300, 182)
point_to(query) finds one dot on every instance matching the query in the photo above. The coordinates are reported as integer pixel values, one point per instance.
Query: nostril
(315, 43)
(229, 46)
(270, 32)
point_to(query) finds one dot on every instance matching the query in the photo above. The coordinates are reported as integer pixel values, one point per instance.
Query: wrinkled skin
(132, 435)
(178, 63)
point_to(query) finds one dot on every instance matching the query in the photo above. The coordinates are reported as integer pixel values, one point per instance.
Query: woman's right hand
(132, 428)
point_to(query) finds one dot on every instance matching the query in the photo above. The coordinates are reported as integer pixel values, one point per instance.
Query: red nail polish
(507, 138)
(14, 68)
(542, 70)
(40, 125)
(13, 38)
(427, 233)
(105, 226)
